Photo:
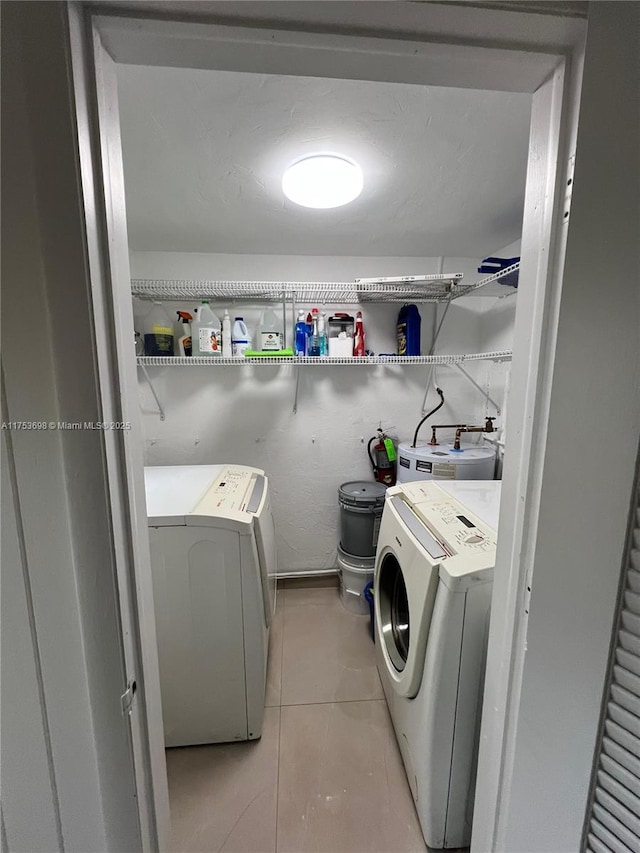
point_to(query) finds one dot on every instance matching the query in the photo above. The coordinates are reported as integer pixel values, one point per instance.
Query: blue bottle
(301, 334)
(408, 330)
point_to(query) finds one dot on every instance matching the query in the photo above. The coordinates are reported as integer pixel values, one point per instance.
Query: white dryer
(213, 559)
(433, 584)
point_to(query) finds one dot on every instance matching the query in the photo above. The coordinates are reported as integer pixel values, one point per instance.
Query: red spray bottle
(358, 340)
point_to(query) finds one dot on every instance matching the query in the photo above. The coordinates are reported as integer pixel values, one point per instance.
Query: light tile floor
(326, 776)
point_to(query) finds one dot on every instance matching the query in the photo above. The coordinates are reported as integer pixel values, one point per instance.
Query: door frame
(553, 76)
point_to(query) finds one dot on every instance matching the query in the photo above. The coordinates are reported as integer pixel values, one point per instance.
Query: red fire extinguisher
(383, 458)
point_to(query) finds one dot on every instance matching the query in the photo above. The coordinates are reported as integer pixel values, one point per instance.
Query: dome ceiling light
(323, 181)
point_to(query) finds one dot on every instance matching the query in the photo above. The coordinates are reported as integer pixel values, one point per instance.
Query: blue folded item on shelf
(490, 266)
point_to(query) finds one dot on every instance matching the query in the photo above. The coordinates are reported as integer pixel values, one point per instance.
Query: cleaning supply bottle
(358, 340)
(182, 338)
(158, 332)
(206, 336)
(309, 331)
(301, 334)
(240, 338)
(408, 330)
(271, 337)
(313, 344)
(226, 335)
(323, 338)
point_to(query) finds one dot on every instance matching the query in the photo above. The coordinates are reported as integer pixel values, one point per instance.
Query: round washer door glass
(394, 611)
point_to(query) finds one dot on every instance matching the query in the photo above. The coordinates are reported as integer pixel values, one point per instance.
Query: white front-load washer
(213, 560)
(433, 584)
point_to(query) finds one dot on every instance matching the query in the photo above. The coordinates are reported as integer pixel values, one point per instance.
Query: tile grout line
(279, 726)
(278, 777)
(330, 702)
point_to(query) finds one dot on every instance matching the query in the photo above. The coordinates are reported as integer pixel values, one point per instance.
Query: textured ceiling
(204, 153)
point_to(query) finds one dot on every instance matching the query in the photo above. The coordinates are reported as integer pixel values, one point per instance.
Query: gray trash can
(361, 505)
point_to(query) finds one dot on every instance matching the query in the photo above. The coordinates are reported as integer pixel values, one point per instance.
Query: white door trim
(466, 65)
(552, 140)
(105, 218)
(268, 51)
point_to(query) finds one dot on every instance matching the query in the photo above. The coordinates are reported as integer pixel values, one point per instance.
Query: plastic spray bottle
(182, 338)
(301, 334)
(313, 344)
(323, 338)
(358, 341)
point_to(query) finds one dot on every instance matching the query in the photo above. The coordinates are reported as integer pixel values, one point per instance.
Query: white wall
(245, 414)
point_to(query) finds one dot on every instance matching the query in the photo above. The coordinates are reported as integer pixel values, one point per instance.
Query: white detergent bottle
(226, 335)
(271, 337)
(206, 335)
(240, 338)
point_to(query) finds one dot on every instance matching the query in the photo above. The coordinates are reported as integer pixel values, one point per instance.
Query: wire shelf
(218, 361)
(501, 289)
(434, 288)
(429, 288)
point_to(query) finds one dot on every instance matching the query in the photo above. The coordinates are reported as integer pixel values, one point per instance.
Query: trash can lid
(362, 493)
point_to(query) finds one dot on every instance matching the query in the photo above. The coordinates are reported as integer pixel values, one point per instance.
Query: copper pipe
(442, 426)
(460, 428)
(488, 427)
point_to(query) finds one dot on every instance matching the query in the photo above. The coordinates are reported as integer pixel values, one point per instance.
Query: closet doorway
(451, 61)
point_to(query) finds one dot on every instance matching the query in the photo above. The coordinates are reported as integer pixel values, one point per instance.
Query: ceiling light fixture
(323, 181)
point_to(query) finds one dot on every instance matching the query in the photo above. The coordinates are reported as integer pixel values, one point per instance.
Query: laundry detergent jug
(408, 330)
(206, 332)
(240, 338)
(158, 332)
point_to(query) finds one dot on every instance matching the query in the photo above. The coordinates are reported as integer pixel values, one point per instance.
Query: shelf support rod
(284, 319)
(295, 398)
(480, 389)
(153, 390)
(293, 319)
(433, 346)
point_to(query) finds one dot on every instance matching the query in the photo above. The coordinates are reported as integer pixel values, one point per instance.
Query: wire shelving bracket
(145, 373)
(361, 362)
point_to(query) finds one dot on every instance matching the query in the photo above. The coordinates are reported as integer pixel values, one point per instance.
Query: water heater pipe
(428, 415)
(460, 428)
(488, 427)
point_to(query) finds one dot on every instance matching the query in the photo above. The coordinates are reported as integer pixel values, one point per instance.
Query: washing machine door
(394, 612)
(405, 591)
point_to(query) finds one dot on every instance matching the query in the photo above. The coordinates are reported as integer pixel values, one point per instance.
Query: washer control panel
(457, 529)
(231, 491)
